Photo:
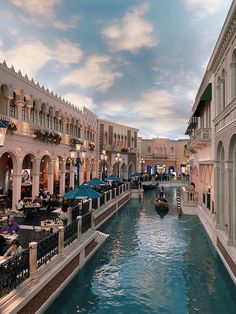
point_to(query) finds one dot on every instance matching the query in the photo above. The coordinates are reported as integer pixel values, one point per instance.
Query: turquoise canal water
(151, 264)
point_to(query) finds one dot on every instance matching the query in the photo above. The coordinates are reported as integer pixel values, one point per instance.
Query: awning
(206, 97)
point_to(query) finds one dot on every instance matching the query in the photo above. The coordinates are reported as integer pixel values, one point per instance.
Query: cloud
(80, 100)
(97, 72)
(30, 57)
(131, 33)
(202, 8)
(42, 13)
(67, 52)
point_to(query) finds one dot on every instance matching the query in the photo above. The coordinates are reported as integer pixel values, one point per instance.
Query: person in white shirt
(20, 205)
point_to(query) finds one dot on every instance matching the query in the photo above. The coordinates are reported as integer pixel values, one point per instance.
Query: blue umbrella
(96, 182)
(81, 192)
(113, 178)
(136, 174)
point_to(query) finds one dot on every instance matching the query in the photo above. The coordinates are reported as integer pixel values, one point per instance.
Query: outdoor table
(10, 237)
(32, 208)
(51, 224)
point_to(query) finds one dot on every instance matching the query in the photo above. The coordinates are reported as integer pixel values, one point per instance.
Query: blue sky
(133, 62)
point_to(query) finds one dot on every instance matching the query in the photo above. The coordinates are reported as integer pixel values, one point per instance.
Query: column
(50, 182)
(20, 104)
(72, 176)
(33, 261)
(79, 227)
(35, 178)
(16, 193)
(228, 201)
(62, 178)
(216, 192)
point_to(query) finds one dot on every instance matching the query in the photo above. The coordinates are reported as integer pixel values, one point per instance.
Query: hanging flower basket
(48, 137)
(11, 127)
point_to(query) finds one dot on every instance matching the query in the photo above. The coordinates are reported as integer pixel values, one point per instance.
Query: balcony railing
(200, 139)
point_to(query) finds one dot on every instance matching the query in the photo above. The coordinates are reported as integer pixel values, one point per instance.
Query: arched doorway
(123, 171)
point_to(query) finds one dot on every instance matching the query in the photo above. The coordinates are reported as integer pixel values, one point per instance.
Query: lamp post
(3, 131)
(104, 158)
(118, 160)
(142, 162)
(74, 154)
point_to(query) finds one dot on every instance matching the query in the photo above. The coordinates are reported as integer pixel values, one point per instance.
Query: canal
(151, 264)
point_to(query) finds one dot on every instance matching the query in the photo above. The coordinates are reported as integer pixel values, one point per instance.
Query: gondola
(161, 204)
(148, 185)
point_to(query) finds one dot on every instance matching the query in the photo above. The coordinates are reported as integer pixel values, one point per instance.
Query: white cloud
(97, 72)
(131, 33)
(202, 8)
(42, 13)
(67, 52)
(32, 56)
(80, 100)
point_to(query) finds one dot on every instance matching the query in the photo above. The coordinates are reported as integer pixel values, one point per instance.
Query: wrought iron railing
(208, 204)
(102, 200)
(86, 222)
(203, 198)
(75, 212)
(117, 191)
(70, 233)
(13, 272)
(94, 203)
(47, 248)
(85, 207)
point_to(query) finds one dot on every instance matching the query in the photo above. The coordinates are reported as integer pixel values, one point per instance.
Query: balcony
(200, 140)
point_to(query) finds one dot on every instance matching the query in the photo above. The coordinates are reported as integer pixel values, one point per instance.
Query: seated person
(2, 244)
(10, 227)
(37, 200)
(14, 250)
(20, 205)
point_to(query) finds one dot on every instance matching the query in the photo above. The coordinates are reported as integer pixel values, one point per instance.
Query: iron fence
(47, 248)
(70, 233)
(86, 222)
(95, 203)
(14, 272)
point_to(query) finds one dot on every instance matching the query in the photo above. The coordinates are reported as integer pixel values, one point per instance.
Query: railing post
(69, 213)
(33, 274)
(61, 241)
(110, 194)
(115, 192)
(98, 201)
(79, 227)
(90, 204)
(92, 220)
(80, 208)
(105, 197)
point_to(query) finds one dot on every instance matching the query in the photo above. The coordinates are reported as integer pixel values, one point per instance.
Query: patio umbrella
(136, 174)
(81, 192)
(113, 178)
(96, 182)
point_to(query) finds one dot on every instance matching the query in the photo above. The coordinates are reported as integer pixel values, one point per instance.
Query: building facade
(165, 156)
(212, 130)
(119, 144)
(42, 128)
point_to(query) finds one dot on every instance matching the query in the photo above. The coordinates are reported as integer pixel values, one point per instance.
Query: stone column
(61, 241)
(228, 201)
(110, 194)
(217, 192)
(98, 202)
(35, 178)
(92, 220)
(20, 105)
(62, 178)
(16, 189)
(50, 182)
(105, 197)
(33, 274)
(79, 228)
(72, 175)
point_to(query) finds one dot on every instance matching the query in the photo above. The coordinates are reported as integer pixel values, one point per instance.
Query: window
(233, 74)
(149, 150)
(13, 106)
(223, 90)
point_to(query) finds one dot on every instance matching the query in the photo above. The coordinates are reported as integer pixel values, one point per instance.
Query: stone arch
(131, 169)
(123, 171)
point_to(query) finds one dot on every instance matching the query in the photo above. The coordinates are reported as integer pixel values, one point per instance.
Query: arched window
(218, 95)
(157, 150)
(13, 106)
(164, 150)
(25, 113)
(172, 150)
(33, 113)
(160, 150)
(149, 150)
(233, 74)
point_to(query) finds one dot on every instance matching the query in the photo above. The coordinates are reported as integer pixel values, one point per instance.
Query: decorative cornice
(223, 42)
(37, 86)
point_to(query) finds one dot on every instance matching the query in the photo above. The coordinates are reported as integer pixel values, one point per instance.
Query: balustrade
(47, 248)
(70, 233)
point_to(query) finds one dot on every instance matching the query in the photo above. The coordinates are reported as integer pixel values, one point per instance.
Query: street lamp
(3, 131)
(74, 154)
(142, 162)
(118, 160)
(104, 158)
